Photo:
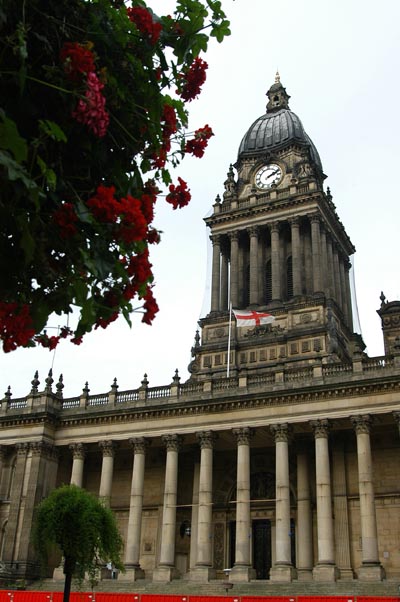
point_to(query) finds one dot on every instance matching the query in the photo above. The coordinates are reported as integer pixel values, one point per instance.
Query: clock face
(268, 175)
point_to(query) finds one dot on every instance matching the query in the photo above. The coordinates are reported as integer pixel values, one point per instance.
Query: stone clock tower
(278, 247)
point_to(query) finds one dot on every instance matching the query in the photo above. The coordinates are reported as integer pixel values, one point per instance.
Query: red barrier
(215, 598)
(267, 598)
(348, 598)
(164, 598)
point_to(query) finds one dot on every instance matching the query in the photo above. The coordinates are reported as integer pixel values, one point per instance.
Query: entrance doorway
(262, 548)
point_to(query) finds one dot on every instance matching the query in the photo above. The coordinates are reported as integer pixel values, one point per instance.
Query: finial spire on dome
(278, 98)
(277, 77)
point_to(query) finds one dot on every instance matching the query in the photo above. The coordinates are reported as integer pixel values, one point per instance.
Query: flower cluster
(78, 60)
(197, 145)
(145, 24)
(66, 219)
(150, 307)
(16, 327)
(193, 78)
(169, 128)
(179, 195)
(91, 110)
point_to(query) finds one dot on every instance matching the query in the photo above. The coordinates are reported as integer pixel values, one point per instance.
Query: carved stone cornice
(108, 448)
(320, 428)
(362, 424)
(78, 451)
(216, 239)
(282, 432)
(243, 435)
(22, 449)
(41, 448)
(139, 444)
(206, 439)
(172, 442)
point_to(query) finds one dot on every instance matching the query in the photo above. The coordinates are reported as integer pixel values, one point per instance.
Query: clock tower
(278, 247)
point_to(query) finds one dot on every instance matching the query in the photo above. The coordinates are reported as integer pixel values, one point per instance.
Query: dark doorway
(232, 543)
(262, 548)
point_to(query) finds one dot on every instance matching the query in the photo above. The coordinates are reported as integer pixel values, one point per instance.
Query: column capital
(314, 218)
(139, 444)
(243, 435)
(234, 235)
(215, 239)
(274, 226)
(321, 428)
(40, 448)
(206, 439)
(108, 448)
(282, 432)
(361, 424)
(294, 221)
(172, 442)
(3, 451)
(253, 231)
(22, 448)
(78, 450)
(396, 416)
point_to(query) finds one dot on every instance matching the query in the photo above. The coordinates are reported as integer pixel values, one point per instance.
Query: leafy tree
(94, 101)
(75, 523)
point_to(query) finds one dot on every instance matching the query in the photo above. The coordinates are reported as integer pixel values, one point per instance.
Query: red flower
(170, 123)
(16, 326)
(139, 268)
(66, 218)
(197, 144)
(104, 206)
(153, 236)
(194, 78)
(179, 195)
(133, 225)
(77, 59)
(77, 340)
(104, 322)
(150, 306)
(159, 160)
(144, 22)
(91, 110)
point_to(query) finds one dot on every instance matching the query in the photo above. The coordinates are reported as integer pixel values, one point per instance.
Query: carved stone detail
(139, 444)
(172, 442)
(243, 435)
(78, 450)
(281, 432)
(206, 439)
(321, 428)
(361, 424)
(108, 448)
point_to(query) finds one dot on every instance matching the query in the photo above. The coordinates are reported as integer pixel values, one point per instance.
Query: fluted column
(324, 261)
(254, 294)
(336, 274)
(195, 516)
(3, 453)
(316, 253)
(282, 569)
(275, 263)
(304, 562)
(15, 503)
(132, 548)
(216, 273)
(242, 570)
(166, 570)
(78, 455)
(107, 469)
(325, 570)
(330, 267)
(224, 283)
(296, 255)
(345, 306)
(371, 568)
(340, 502)
(234, 269)
(203, 570)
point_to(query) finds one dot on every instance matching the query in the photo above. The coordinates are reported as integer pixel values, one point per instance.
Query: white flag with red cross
(252, 318)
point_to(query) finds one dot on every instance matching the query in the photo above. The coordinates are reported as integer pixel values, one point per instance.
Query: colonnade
(319, 264)
(333, 558)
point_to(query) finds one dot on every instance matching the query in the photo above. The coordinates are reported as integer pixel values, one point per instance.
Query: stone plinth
(325, 572)
(202, 574)
(371, 572)
(241, 574)
(282, 573)
(132, 573)
(165, 574)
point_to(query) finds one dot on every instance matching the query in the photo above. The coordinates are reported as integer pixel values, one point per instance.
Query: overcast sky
(339, 61)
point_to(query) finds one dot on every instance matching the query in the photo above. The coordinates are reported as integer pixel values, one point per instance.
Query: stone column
(203, 570)
(325, 570)
(3, 452)
(282, 569)
(371, 569)
(296, 255)
(275, 263)
(316, 253)
(132, 548)
(234, 271)
(345, 305)
(107, 469)
(304, 546)
(347, 268)
(330, 267)
(242, 570)
(254, 294)
(342, 534)
(224, 282)
(78, 454)
(166, 570)
(15, 504)
(216, 273)
(324, 261)
(336, 275)
(195, 516)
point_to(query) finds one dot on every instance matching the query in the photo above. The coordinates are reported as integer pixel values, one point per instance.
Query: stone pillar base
(346, 574)
(371, 572)
(304, 574)
(202, 574)
(132, 573)
(58, 574)
(241, 573)
(165, 574)
(282, 573)
(325, 572)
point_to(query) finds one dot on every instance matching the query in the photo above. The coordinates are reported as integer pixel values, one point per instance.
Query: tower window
(268, 282)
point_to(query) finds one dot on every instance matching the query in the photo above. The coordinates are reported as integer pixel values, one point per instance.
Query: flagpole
(229, 340)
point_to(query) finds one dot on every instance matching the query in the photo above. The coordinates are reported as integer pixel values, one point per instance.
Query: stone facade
(278, 458)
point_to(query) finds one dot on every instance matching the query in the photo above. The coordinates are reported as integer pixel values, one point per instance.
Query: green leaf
(48, 173)
(16, 171)
(52, 129)
(11, 140)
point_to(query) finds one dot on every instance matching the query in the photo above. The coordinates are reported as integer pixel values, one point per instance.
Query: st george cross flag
(252, 318)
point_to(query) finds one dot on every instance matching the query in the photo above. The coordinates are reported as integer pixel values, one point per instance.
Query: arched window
(289, 277)
(268, 282)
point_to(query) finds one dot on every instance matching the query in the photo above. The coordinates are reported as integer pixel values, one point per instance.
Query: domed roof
(277, 128)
